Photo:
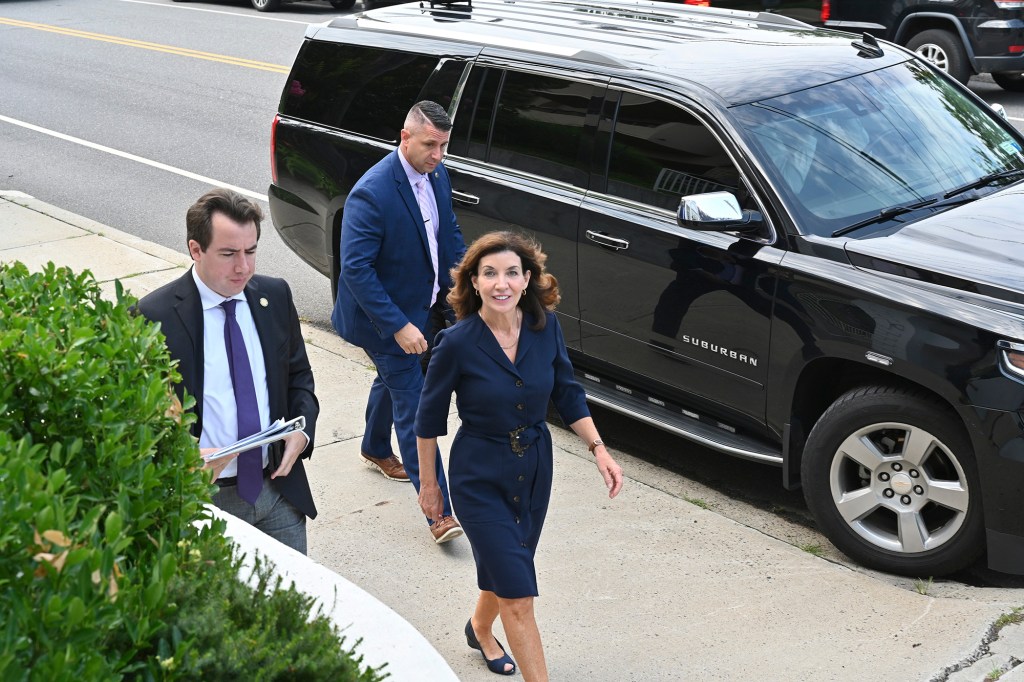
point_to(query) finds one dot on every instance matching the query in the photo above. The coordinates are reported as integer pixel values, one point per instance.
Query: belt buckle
(513, 439)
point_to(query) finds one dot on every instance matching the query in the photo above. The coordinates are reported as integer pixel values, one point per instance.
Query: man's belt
(228, 481)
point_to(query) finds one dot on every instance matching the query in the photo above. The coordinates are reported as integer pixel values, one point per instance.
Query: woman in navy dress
(504, 360)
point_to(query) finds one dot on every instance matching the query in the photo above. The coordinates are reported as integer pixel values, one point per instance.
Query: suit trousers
(272, 514)
(377, 436)
(400, 379)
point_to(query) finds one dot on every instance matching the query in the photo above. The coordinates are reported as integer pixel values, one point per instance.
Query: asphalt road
(124, 111)
(158, 80)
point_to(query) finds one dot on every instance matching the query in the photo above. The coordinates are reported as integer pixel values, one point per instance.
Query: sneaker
(446, 529)
(391, 466)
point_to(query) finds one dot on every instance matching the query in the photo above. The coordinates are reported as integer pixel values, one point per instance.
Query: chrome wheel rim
(934, 54)
(899, 488)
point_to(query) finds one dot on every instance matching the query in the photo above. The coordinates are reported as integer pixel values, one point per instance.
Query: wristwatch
(594, 444)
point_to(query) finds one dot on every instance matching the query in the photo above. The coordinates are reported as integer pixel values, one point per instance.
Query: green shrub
(104, 574)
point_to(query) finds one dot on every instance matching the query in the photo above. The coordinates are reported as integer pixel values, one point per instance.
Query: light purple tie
(419, 188)
(250, 462)
(426, 209)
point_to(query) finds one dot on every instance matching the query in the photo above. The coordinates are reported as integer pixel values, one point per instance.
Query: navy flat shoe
(498, 664)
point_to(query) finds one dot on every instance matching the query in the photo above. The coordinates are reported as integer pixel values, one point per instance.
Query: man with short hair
(241, 354)
(399, 240)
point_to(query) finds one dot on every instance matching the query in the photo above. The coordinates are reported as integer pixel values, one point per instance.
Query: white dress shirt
(220, 415)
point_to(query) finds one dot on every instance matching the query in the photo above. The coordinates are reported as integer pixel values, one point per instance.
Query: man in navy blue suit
(399, 240)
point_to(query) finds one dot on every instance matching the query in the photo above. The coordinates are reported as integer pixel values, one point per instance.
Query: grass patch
(922, 586)
(813, 548)
(1016, 615)
(698, 502)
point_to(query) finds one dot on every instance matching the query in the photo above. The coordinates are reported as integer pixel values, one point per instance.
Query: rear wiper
(883, 215)
(983, 181)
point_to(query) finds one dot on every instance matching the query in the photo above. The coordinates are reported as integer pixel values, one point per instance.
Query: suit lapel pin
(436, 175)
(264, 302)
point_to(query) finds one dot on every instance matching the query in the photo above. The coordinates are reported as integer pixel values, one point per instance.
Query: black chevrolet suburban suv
(791, 245)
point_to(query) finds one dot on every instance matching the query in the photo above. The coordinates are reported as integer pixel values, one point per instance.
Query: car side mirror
(998, 108)
(716, 212)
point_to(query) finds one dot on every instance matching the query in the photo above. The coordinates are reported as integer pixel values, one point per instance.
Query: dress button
(520, 406)
(520, 454)
(522, 478)
(519, 383)
(515, 499)
(517, 519)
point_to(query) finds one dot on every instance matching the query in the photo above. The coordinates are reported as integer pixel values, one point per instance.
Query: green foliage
(104, 574)
(241, 633)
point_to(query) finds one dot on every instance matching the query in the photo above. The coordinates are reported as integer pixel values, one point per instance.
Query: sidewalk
(644, 587)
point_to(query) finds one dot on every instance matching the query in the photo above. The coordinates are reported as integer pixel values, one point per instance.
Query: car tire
(913, 511)
(343, 4)
(1010, 80)
(368, 5)
(266, 5)
(944, 50)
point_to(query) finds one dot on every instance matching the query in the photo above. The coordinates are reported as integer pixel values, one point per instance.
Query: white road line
(1011, 118)
(217, 11)
(133, 157)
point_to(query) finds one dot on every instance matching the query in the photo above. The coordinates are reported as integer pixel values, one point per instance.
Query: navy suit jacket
(386, 274)
(179, 310)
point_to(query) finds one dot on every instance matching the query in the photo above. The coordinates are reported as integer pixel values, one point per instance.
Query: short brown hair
(199, 218)
(539, 297)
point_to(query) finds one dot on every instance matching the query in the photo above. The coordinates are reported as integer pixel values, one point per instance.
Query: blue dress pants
(379, 410)
(399, 381)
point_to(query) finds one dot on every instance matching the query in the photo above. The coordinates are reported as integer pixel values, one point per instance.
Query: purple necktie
(250, 462)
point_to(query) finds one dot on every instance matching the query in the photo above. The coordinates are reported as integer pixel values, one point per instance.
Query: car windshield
(883, 144)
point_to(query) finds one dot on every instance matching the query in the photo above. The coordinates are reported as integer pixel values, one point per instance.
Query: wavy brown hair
(540, 296)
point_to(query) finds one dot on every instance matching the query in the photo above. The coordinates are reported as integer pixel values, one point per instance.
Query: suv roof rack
(611, 32)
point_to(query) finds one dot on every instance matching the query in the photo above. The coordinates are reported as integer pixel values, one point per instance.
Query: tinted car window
(538, 123)
(660, 153)
(473, 120)
(846, 151)
(361, 89)
(443, 82)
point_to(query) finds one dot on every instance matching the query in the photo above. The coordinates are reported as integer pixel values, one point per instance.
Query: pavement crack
(984, 649)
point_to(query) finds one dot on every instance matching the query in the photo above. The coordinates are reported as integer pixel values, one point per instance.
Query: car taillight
(826, 10)
(273, 150)
(699, 3)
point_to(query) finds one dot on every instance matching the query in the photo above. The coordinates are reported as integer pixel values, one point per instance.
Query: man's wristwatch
(594, 444)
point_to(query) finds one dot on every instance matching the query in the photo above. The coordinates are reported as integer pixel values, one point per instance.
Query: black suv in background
(961, 37)
(813, 261)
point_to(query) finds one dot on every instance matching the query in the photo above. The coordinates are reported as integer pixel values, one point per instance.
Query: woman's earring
(476, 291)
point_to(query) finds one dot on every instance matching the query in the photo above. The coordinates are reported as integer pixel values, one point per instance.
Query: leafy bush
(104, 574)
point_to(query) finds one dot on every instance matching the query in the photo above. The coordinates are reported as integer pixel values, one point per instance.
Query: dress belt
(519, 439)
(228, 481)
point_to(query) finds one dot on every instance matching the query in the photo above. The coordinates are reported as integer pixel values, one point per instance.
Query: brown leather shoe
(446, 529)
(391, 467)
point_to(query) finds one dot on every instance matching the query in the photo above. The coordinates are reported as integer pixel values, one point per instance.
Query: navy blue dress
(500, 466)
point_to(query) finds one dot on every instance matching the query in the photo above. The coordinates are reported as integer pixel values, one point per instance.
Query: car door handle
(463, 198)
(605, 240)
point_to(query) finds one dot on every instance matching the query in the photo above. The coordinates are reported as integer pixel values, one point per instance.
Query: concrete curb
(384, 636)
